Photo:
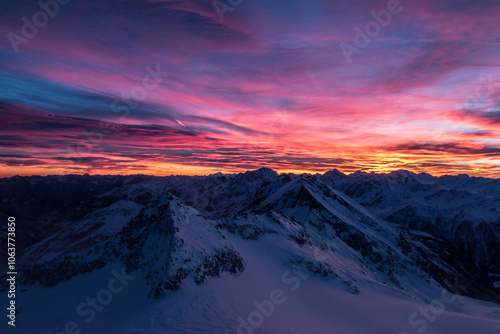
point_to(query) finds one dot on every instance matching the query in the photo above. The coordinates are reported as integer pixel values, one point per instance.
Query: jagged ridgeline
(395, 229)
(168, 242)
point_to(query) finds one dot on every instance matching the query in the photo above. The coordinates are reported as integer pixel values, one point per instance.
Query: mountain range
(258, 252)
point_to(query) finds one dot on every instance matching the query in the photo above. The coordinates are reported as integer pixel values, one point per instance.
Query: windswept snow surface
(308, 304)
(263, 253)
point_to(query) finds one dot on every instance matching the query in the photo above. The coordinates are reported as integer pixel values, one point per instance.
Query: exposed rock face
(176, 230)
(168, 242)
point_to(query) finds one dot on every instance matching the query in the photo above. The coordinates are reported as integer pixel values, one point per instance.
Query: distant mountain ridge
(411, 235)
(460, 213)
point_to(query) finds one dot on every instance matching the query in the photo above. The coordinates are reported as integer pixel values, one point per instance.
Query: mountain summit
(207, 248)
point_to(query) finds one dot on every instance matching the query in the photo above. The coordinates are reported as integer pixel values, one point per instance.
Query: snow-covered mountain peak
(334, 173)
(352, 234)
(168, 243)
(264, 173)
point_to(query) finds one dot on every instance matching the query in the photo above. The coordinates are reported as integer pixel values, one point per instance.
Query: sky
(195, 87)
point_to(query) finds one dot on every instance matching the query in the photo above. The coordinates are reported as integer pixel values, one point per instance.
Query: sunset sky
(178, 87)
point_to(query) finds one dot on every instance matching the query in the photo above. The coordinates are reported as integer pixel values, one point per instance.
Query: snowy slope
(460, 209)
(309, 303)
(295, 249)
(94, 228)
